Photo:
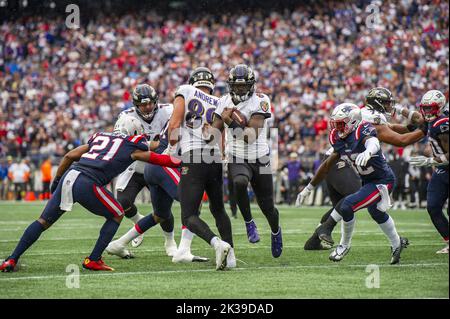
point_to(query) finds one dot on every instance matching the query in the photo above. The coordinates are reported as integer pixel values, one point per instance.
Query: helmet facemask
(430, 111)
(147, 109)
(241, 91)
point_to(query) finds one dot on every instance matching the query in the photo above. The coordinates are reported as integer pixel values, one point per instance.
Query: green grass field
(296, 274)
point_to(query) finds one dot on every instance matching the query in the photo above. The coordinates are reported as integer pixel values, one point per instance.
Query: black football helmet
(241, 83)
(202, 77)
(380, 99)
(145, 99)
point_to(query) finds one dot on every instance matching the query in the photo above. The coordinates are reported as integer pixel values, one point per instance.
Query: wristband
(309, 187)
(411, 127)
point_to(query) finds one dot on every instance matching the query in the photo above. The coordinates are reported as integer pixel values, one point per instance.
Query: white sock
(335, 215)
(388, 228)
(136, 218)
(169, 236)
(347, 232)
(215, 241)
(186, 240)
(129, 236)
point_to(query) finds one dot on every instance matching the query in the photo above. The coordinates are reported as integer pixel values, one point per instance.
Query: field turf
(296, 274)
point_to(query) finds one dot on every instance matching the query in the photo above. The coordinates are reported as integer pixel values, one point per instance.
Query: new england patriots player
(163, 184)
(153, 116)
(356, 142)
(432, 108)
(97, 163)
(248, 151)
(190, 128)
(378, 105)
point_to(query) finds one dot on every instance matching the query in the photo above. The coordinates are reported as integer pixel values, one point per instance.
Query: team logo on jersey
(444, 128)
(264, 106)
(377, 120)
(184, 170)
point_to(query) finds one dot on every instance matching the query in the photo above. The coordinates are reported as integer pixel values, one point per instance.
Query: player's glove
(363, 158)
(304, 194)
(170, 150)
(55, 184)
(422, 161)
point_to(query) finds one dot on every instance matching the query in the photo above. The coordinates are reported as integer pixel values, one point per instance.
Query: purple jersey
(436, 129)
(109, 155)
(377, 170)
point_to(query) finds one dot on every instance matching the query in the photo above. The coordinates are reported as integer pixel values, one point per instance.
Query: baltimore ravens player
(355, 141)
(248, 151)
(432, 108)
(153, 117)
(163, 185)
(190, 127)
(378, 105)
(98, 162)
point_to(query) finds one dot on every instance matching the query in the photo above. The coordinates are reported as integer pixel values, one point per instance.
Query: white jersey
(151, 130)
(199, 110)
(257, 104)
(373, 117)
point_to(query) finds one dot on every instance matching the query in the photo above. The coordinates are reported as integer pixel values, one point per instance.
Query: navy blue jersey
(377, 170)
(109, 155)
(436, 129)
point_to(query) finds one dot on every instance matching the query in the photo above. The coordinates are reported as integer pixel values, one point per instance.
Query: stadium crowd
(59, 85)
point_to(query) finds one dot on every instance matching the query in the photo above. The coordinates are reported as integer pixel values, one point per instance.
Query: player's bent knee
(240, 182)
(44, 223)
(118, 219)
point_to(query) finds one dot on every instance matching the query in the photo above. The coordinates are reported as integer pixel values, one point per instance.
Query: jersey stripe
(439, 122)
(135, 138)
(109, 203)
(174, 174)
(358, 131)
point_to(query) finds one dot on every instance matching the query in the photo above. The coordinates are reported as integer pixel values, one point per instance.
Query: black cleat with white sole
(404, 243)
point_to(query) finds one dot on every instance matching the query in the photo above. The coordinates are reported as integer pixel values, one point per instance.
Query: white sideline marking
(214, 271)
(362, 233)
(136, 251)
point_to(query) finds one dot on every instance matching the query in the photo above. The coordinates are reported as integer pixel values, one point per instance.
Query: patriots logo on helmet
(347, 109)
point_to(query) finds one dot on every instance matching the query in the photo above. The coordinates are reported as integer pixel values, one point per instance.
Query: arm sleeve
(372, 145)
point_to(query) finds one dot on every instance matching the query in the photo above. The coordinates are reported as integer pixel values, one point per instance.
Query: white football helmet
(129, 125)
(432, 105)
(345, 118)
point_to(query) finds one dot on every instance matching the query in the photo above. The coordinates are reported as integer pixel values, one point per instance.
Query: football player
(432, 108)
(356, 142)
(190, 127)
(163, 185)
(98, 162)
(153, 116)
(248, 151)
(378, 105)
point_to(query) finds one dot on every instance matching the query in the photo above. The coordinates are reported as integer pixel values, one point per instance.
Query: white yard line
(161, 272)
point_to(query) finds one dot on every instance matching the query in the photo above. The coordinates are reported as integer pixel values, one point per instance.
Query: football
(239, 117)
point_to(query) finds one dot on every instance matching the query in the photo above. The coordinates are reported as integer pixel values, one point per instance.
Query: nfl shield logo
(184, 170)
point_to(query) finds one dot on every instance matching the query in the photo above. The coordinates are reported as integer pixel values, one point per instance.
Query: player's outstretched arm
(175, 123)
(70, 157)
(155, 158)
(387, 135)
(413, 117)
(321, 173)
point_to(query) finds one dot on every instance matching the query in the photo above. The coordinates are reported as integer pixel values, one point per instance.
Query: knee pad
(240, 182)
(345, 207)
(378, 216)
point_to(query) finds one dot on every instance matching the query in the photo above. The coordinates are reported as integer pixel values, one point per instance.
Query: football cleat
(314, 243)
(8, 265)
(137, 241)
(187, 257)
(252, 232)
(277, 243)
(231, 259)
(96, 265)
(171, 247)
(339, 253)
(324, 234)
(116, 249)
(443, 250)
(222, 251)
(395, 259)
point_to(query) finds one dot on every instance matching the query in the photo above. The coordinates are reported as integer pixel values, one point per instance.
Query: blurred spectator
(294, 167)
(400, 168)
(19, 174)
(46, 171)
(3, 179)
